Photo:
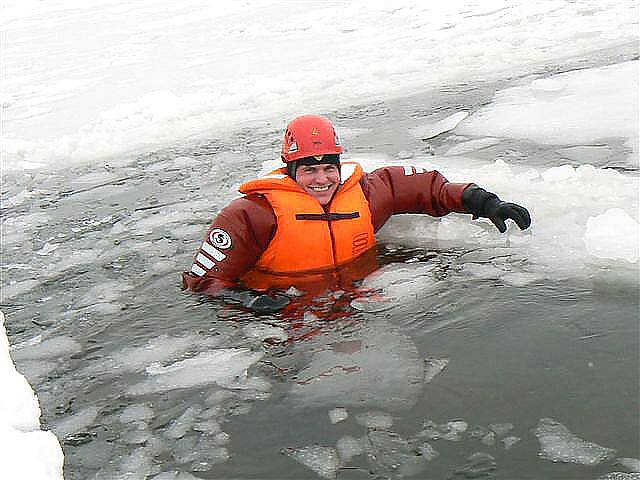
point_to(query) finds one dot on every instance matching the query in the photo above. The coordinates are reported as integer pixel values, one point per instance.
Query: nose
(321, 176)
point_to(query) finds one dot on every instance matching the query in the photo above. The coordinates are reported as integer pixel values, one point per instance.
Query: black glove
(268, 303)
(485, 204)
(255, 301)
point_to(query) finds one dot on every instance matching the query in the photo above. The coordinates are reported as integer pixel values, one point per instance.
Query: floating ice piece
(501, 429)
(322, 460)
(181, 425)
(434, 129)
(138, 411)
(52, 347)
(265, 332)
(631, 464)
(389, 454)
(471, 146)
(139, 462)
(136, 437)
(338, 414)
(221, 438)
(371, 305)
(225, 367)
(509, 441)
(477, 465)
(76, 422)
(349, 447)
(614, 234)
(433, 367)
(47, 249)
(519, 279)
(458, 426)
(489, 439)
(386, 372)
(428, 452)
(447, 431)
(558, 444)
(378, 420)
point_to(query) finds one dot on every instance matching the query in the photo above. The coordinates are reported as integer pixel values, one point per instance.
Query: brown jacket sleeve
(392, 190)
(238, 236)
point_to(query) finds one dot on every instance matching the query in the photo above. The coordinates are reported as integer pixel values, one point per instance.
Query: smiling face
(320, 181)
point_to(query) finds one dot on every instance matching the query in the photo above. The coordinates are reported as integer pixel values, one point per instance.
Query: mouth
(320, 189)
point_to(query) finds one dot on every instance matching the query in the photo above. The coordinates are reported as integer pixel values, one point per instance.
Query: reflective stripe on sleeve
(197, 270)
(214, 252)
(205, 261)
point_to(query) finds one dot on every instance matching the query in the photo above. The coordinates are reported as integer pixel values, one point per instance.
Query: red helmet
(308, 136)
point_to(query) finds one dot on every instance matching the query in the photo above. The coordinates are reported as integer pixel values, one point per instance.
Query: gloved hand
(485, 204)
(264, 303)
(256, 301)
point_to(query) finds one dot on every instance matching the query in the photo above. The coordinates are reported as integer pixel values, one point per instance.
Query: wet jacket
(310, 238)
(276, 231)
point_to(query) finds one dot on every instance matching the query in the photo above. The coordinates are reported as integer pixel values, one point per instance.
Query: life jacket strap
(327, 216)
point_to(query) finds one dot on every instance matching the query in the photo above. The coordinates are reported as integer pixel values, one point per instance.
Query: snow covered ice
(25, 451)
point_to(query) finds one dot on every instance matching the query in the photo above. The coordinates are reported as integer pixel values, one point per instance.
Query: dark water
(91, 261)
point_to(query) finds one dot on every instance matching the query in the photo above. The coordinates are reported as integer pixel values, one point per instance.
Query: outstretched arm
(392, 190)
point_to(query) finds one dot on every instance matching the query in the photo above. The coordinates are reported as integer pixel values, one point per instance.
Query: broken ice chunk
(427, 451)
(375, 420)
(620, 476)
(509, 441)
(433, 367)
(322, 460)
(181, 425)
(348, 447)
(501, 429)
(458, 426)
(77, 422)
(391, 455)
(489, 439)
(558, 444)
(478, 465)
(138, 411)
(338, 414)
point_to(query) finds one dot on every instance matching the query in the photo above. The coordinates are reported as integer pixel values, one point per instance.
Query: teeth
(320, 189)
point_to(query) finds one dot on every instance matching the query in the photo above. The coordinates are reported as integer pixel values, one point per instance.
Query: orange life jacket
(310, 241)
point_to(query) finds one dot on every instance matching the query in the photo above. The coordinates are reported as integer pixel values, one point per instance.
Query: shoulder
(248, 206)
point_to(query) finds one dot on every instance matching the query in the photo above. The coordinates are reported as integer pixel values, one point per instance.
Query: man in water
(317, 216)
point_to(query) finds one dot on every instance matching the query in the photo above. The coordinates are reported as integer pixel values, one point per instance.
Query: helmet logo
(293, 147)
(315, 132)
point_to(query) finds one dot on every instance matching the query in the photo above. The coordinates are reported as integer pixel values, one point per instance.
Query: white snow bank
(85, 80)
(26, 452)
(571, 108)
